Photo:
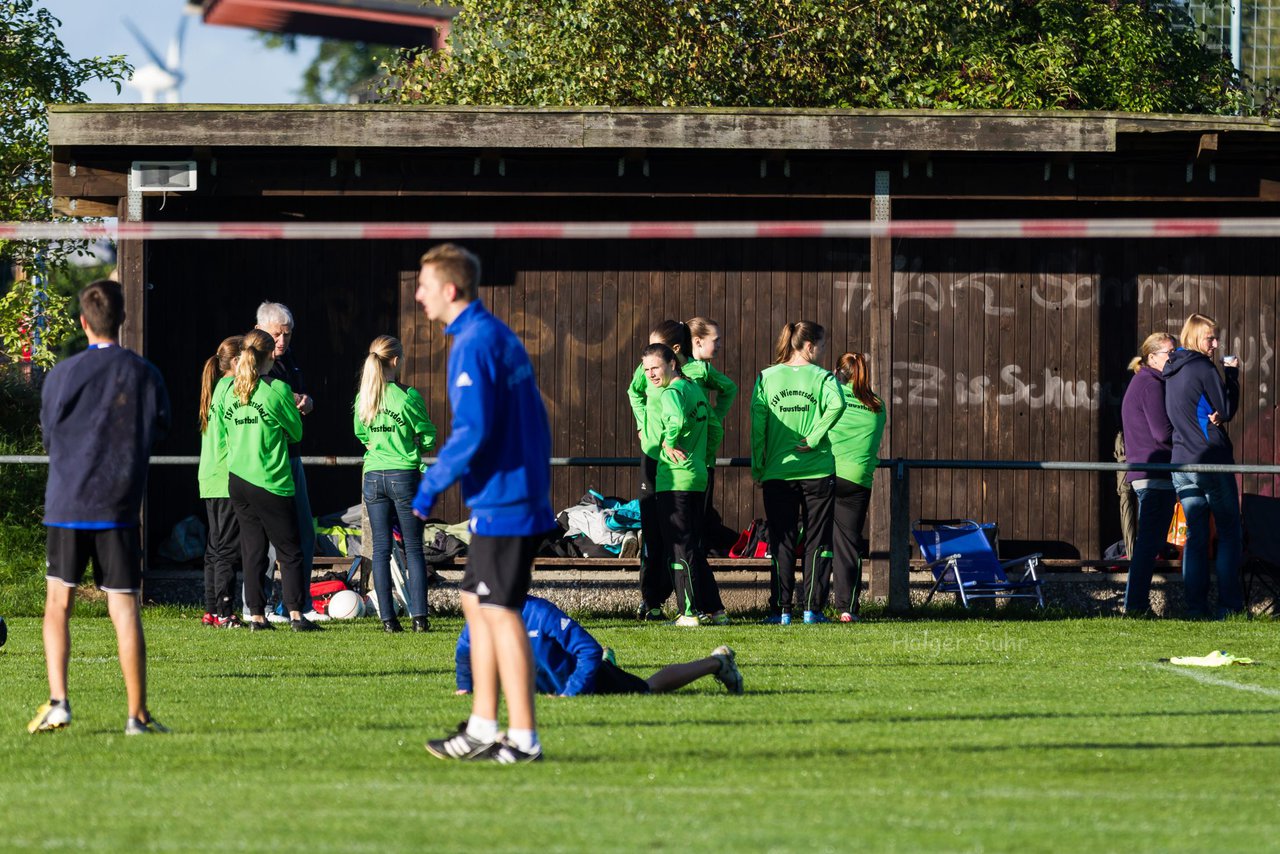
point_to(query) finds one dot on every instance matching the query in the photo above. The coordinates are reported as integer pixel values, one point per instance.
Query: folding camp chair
(1260, 569)
(962, 557)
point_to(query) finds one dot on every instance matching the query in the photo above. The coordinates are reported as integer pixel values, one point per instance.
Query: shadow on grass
(344, 674)
(791, 753)
(999, 717)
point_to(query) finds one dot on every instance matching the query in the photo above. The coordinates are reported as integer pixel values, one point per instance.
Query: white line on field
(1206, 679)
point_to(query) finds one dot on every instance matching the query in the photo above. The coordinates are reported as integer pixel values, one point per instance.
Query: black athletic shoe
(302, 624)
(264, 626)
(459, 746)
(392, 626)
(504, 752)
(421, 624)
(647, 614)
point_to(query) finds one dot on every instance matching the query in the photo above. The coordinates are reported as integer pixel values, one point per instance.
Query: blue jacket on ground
(101, 411)
(1193, 390)
(499, 442)
(566, 656)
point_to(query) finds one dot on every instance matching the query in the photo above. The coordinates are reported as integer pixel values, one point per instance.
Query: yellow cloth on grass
(1217, 658)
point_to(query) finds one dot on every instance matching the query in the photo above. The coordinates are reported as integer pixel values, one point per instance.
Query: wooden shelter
(986, 349)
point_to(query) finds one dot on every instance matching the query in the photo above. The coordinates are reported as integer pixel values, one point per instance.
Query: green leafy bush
(974, 54)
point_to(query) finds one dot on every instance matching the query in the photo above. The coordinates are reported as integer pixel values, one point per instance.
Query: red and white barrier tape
(978, 228)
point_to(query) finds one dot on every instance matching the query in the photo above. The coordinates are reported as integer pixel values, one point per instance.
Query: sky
(221, 64)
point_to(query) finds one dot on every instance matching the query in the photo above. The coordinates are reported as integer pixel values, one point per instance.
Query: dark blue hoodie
(1194, 390)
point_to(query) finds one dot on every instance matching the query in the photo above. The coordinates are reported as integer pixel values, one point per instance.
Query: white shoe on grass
(729, 675)
(50, 717)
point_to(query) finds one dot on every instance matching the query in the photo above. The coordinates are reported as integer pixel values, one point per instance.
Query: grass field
(957, 735)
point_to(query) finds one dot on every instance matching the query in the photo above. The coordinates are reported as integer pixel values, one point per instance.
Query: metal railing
(900, 468)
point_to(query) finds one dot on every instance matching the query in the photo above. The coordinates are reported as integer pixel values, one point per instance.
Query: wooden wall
(996, 350)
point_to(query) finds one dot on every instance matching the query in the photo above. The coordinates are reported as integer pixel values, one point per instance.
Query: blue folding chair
(962, 557)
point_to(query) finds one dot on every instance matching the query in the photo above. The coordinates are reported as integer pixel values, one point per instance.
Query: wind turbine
(161, 76)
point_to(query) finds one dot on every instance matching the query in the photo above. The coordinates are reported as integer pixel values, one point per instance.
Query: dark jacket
(101, 412)
(1148, 435)
(287, 370)
(1194, 390)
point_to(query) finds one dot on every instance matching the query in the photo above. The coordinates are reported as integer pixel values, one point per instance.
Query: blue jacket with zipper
(566, 656)
(1194, 390)
(499, 441)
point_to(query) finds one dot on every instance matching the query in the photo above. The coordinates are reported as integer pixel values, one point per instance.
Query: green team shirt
(709, 379)
(687, 423)
(792, 406)
(643, 396)
(855, 439)
(259, 433)
(212, 473)
(400, 432)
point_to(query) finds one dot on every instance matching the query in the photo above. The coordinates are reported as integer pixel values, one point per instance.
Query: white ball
(345, 605)
(371, 604)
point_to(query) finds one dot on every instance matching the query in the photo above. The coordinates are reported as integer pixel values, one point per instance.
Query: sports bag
(751, 542)
(322, 592)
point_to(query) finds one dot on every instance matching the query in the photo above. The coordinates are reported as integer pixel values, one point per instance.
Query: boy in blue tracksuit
(569, 661)
(499, 447)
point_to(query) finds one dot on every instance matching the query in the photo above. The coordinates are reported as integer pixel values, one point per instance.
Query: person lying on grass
(569, 661)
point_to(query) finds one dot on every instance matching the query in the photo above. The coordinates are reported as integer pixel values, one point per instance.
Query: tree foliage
(340, 72)
(974, 54)
(35, 70)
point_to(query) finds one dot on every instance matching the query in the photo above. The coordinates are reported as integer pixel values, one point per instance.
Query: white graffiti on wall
(925, 385)
(998, 296)
(1049, 290)
(1184, 290)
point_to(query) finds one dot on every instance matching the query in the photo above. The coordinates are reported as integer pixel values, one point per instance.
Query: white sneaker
(630, 545)
(729, 675)
(687, 621)
(50, 717)
(273, 617)
(316, 616)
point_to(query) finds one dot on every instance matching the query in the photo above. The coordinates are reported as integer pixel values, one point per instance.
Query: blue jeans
(1155, 512)
(1202, 494)
(388, 495)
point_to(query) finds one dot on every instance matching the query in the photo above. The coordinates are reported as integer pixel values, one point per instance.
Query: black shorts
(500, 569)
(612, 679)
(116, 554)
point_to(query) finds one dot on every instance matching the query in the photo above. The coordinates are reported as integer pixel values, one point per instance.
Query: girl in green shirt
(655, 574)
(686, 426)
(706, 345)
(261, 419)
(855, 441)
(391, 422)
(794, 403)
(222, 552)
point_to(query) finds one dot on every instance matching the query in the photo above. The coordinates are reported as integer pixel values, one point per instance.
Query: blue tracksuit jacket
(566, 656)
(499, 443)
(1193, 390)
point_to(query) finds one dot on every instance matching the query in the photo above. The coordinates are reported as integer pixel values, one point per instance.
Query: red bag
(322, 592)
(751, 542)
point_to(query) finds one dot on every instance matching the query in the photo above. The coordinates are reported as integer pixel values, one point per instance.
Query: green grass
(973, 735)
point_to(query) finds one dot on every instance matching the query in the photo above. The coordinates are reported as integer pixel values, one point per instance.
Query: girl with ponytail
(644, 396)
(391, 422)
(222, 553)
(793, 406)
(261, 419)
(855, 443)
